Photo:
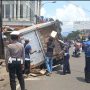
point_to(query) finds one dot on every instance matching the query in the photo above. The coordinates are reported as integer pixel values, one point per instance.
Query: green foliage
(73, 35)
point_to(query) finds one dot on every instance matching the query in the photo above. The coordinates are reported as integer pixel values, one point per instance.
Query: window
(12, 10)
(2, 11)
(31, 14)
(26, 11)
(21, 10)
(7, 11)
(16, 10)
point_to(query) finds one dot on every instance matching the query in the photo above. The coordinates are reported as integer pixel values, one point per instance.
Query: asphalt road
(57, 81)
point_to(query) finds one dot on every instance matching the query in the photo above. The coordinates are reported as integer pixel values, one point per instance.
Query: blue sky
(67, 12)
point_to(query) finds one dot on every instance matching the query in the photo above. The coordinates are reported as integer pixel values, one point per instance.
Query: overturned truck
(38, 35)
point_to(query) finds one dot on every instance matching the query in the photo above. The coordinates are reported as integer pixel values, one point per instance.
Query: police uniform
(66, 65)
(14, 61)
(87, 61)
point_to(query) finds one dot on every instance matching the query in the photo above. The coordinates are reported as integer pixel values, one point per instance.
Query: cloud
(71, 13)
(68, 14)
(43, 11)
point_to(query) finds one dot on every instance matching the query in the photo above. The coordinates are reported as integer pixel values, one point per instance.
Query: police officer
(66, 65)
(15, 61)
(87, 60)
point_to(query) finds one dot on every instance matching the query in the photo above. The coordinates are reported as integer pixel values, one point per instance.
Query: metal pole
(1, 39)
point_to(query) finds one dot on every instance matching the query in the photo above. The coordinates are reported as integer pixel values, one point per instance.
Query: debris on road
(37, 72)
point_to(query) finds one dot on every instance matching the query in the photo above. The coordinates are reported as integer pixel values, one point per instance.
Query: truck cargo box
(38, 35)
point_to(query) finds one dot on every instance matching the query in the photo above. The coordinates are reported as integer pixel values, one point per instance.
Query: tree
(58, 25)
(51, 19)
(74, 35)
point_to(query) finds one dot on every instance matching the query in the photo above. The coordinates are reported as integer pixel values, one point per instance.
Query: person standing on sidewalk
(15, 56)
(49, 55)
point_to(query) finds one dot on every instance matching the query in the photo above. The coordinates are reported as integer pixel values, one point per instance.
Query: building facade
(83, 27)
(18, 10)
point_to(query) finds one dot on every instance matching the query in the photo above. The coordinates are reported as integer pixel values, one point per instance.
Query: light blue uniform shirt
(87, 48)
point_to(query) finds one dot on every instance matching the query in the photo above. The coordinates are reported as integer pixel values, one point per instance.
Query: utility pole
(1, 39)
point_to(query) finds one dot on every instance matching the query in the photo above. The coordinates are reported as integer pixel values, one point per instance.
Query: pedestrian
(87, 60)
(15, 58)
(28, 51)
(66, 65)
(49, 55)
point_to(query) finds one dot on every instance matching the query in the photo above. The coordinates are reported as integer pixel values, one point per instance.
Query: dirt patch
(4, 75)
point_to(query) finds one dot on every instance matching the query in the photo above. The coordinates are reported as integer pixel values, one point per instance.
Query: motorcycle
(76, 53)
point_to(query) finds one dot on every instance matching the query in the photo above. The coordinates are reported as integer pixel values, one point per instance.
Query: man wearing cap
(87, 60)
(15, 61)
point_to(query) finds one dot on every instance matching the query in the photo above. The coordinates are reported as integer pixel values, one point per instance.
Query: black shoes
(64, 73)
(68, 72)
(87, 81)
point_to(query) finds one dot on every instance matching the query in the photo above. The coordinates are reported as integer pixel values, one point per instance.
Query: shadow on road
(81, 79)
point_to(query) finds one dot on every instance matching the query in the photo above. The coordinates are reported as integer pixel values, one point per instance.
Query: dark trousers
(15, 69)
(66, 66)
(27, 67)
(87, 69)
(76, 51)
